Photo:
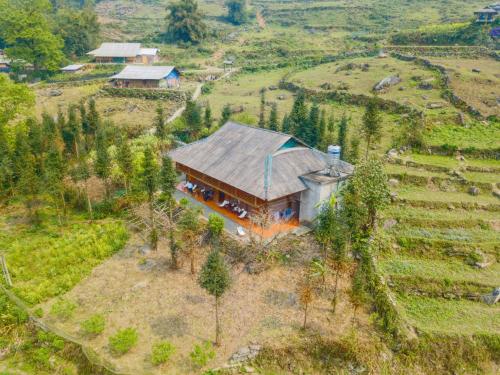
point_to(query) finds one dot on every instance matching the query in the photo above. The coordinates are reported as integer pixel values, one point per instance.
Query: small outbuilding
(124, 53)
(486, 15)
(74, 68)
(152, 77)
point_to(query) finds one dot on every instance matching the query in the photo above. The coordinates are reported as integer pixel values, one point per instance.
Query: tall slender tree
(314, 126)
(342, 138)
(215, 279)
(273, 118)
(225, 115)
(160, 123)
(298, 118)
(286, 126)
(125, 162)
(55, 171)
(262, 114)
(207, 120)
(372, 125)
(150, 183)
(102, 165)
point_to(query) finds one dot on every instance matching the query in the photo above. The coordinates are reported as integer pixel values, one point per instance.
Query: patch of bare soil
(163, 304)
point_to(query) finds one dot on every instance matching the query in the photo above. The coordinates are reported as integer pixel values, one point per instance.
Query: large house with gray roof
(144, 76)
(124, 53)
(251, 169)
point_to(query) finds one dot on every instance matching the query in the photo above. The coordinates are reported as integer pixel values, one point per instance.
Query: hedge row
(309, 61)
(152, 94)
(441, 182)
(349, 98)
(429, 247)
(492, 207)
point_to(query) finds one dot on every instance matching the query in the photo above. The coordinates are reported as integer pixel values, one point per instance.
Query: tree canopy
(185, 22)
(15, 98)
(237, 11)
(27, 31)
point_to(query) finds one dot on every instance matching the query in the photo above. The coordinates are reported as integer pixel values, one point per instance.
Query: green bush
(215, 225)
(201, 354)
(93, 325)
(161, 352)
(63, 309)
(123, 341)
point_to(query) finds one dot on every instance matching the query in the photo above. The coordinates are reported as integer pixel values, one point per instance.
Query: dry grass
(166, 304)
(481, 90)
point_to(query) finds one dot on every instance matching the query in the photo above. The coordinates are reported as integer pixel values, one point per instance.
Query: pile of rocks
(245, 353)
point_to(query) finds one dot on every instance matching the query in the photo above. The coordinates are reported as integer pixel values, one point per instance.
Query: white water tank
(334, 151)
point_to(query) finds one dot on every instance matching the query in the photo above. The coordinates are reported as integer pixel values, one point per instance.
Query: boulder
(387, 82)
(425, 86)
(393, 182)
(281, 97)
(55, 92)
(273, 87)
(392, 153)
(434, 105)
(394, 196)
(474, 190)
(476, 70)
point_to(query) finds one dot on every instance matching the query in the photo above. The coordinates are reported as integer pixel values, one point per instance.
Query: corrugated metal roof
(149, 51)
(144, 72)
(71, 68)
(117, 50)
(236, 154)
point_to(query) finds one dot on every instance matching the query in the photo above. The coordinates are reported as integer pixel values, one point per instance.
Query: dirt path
(260, 19)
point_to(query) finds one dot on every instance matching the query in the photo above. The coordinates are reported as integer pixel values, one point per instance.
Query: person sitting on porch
(223, 204)
(287, 214)
(243, 214)
(189, 186)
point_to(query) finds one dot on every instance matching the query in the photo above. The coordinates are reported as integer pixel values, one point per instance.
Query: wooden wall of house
(136, 83)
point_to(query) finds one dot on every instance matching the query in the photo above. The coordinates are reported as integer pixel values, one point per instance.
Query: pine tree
(71, 132)
(215, 279)
(286, 126)
(342, 138)
(353, 154)
(150, 183)
(298, 118)
(85, 126)
(125, 162)
(29, 185)
(6, 166)
(160, 123)
(192, 116)
(102, 166)
(207, 121)
(168, 177)
(225, 115)
(189, 223)
(21, 154)
(331, 124)
(51, 131)
(262, 114)
(92, 120)
(372, 125)
(273, 118)
(55, 171)
(314, 126)
(81, 173)
(36, 143)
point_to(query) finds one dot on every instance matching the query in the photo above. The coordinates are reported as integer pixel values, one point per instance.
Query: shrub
(161, 352)
(215, 225)
(201, 354)
(93, 325)
(63, 309)
(123, 341)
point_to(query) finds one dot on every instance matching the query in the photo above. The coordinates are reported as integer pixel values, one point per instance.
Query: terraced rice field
(445, 248)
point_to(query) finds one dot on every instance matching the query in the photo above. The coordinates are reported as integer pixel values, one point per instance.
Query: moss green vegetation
(64, 254)
(123, 340)
(479, 136)
(433, 315)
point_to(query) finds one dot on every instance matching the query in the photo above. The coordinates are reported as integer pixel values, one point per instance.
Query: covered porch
(239, 213)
